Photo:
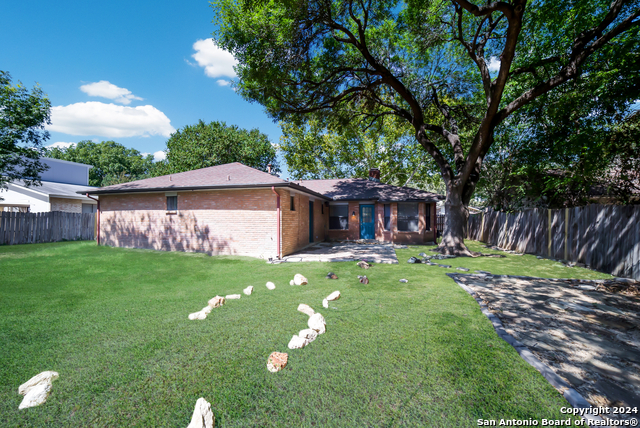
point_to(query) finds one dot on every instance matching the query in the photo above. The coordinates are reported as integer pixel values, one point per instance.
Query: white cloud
(215, 61)
(108, 90)
(109, 120)
(60, 145)
(223, 82)
(159, 155)
(493, 64)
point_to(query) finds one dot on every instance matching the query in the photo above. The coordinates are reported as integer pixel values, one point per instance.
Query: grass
(113, 322)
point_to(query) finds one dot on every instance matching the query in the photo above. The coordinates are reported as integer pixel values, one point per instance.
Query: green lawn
(113, 322)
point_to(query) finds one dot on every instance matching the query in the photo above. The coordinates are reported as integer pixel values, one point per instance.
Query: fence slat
(604, 237)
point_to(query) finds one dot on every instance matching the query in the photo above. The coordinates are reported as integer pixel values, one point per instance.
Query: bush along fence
(602, 237)
(31, 228)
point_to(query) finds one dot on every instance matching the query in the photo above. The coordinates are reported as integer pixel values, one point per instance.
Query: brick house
(235, 209)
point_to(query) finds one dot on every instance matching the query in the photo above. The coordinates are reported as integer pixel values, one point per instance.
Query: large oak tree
(470, 63)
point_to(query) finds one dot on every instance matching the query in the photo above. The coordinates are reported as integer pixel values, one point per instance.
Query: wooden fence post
(566, 234)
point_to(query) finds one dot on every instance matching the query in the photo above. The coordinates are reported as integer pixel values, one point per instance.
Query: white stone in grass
(271, 285)
(202, 415)
(317, 323)
(291, 282)
(37, 389)
(247, 291)
(300, 279)
(297, 342)
(309, 334)
(325, 303)
(232, 296)
(333, 296)
(306, 309)
(216, 302)
(207, 310)
(200, 315)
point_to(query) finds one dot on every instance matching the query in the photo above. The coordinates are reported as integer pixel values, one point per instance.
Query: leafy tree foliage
(112, 162)
(422, 59)
(314, 150)
(203, 145)
(23, 116)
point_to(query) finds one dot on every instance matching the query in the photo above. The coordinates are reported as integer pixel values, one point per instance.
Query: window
(89, 208)
(387, 216)
(339, 217)
(172, 203)
(292, 207)
(408, 217)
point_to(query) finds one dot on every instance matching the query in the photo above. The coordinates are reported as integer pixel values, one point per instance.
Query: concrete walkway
(345, 252)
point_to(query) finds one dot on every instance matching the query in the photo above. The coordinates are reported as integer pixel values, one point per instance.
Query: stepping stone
(232, 296)
(309, 334)
(247, 291)
(462, 269)
(216, 302)
(297, 342)
(317, 323)
(271, 286)
(202, 415)
(277, 361)
(36, 390)
(333, 296)
(445, 266)
(306, 309)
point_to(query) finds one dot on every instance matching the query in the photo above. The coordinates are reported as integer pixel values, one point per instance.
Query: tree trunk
(456, 215)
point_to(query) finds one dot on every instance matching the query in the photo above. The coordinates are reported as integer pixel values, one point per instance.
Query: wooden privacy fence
(31, 228)
(603, 237)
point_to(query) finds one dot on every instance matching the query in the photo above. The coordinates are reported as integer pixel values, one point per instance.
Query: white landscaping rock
(232, 296)
(306, 309)
(247, 291)
(198, 315)
(317, 323)
(300, 280)
(271, 286)
(207, 310)
(291, 282)
(216, 302)
(277, 361)
(297, 342)
(37, 389)
(333, 296)
(325, 303)
(309, 334)
(202, 415)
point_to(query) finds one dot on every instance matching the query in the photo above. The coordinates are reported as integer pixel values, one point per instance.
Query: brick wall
(241, 222)
(295, 224)
(353, 232)
(66, 205)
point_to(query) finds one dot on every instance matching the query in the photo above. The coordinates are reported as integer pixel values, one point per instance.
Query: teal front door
(367, 230)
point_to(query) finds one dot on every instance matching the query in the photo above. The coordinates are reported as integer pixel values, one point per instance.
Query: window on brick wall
(339, 217)
(172, 203)
(387, 216)
(408, 217)
(292, 207)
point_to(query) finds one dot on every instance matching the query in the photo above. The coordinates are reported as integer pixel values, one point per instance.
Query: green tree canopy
(451, 60)
(315, 150)
(112, 162)
(203, 145)
(23, 116)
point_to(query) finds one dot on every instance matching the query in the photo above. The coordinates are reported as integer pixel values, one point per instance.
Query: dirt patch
(587, 332)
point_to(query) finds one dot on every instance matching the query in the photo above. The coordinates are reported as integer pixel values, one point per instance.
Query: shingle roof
(362, 189)
(236, 175)
(57, 189)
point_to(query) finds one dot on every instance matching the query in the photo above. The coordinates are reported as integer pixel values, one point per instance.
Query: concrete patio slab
(345, 252)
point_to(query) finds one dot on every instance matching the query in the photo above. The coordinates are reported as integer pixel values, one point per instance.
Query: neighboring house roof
(56, 190)
(237, 175)
(350, 189)
(227, 176)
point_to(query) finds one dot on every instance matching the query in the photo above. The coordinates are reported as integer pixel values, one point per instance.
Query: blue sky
(128, 71)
